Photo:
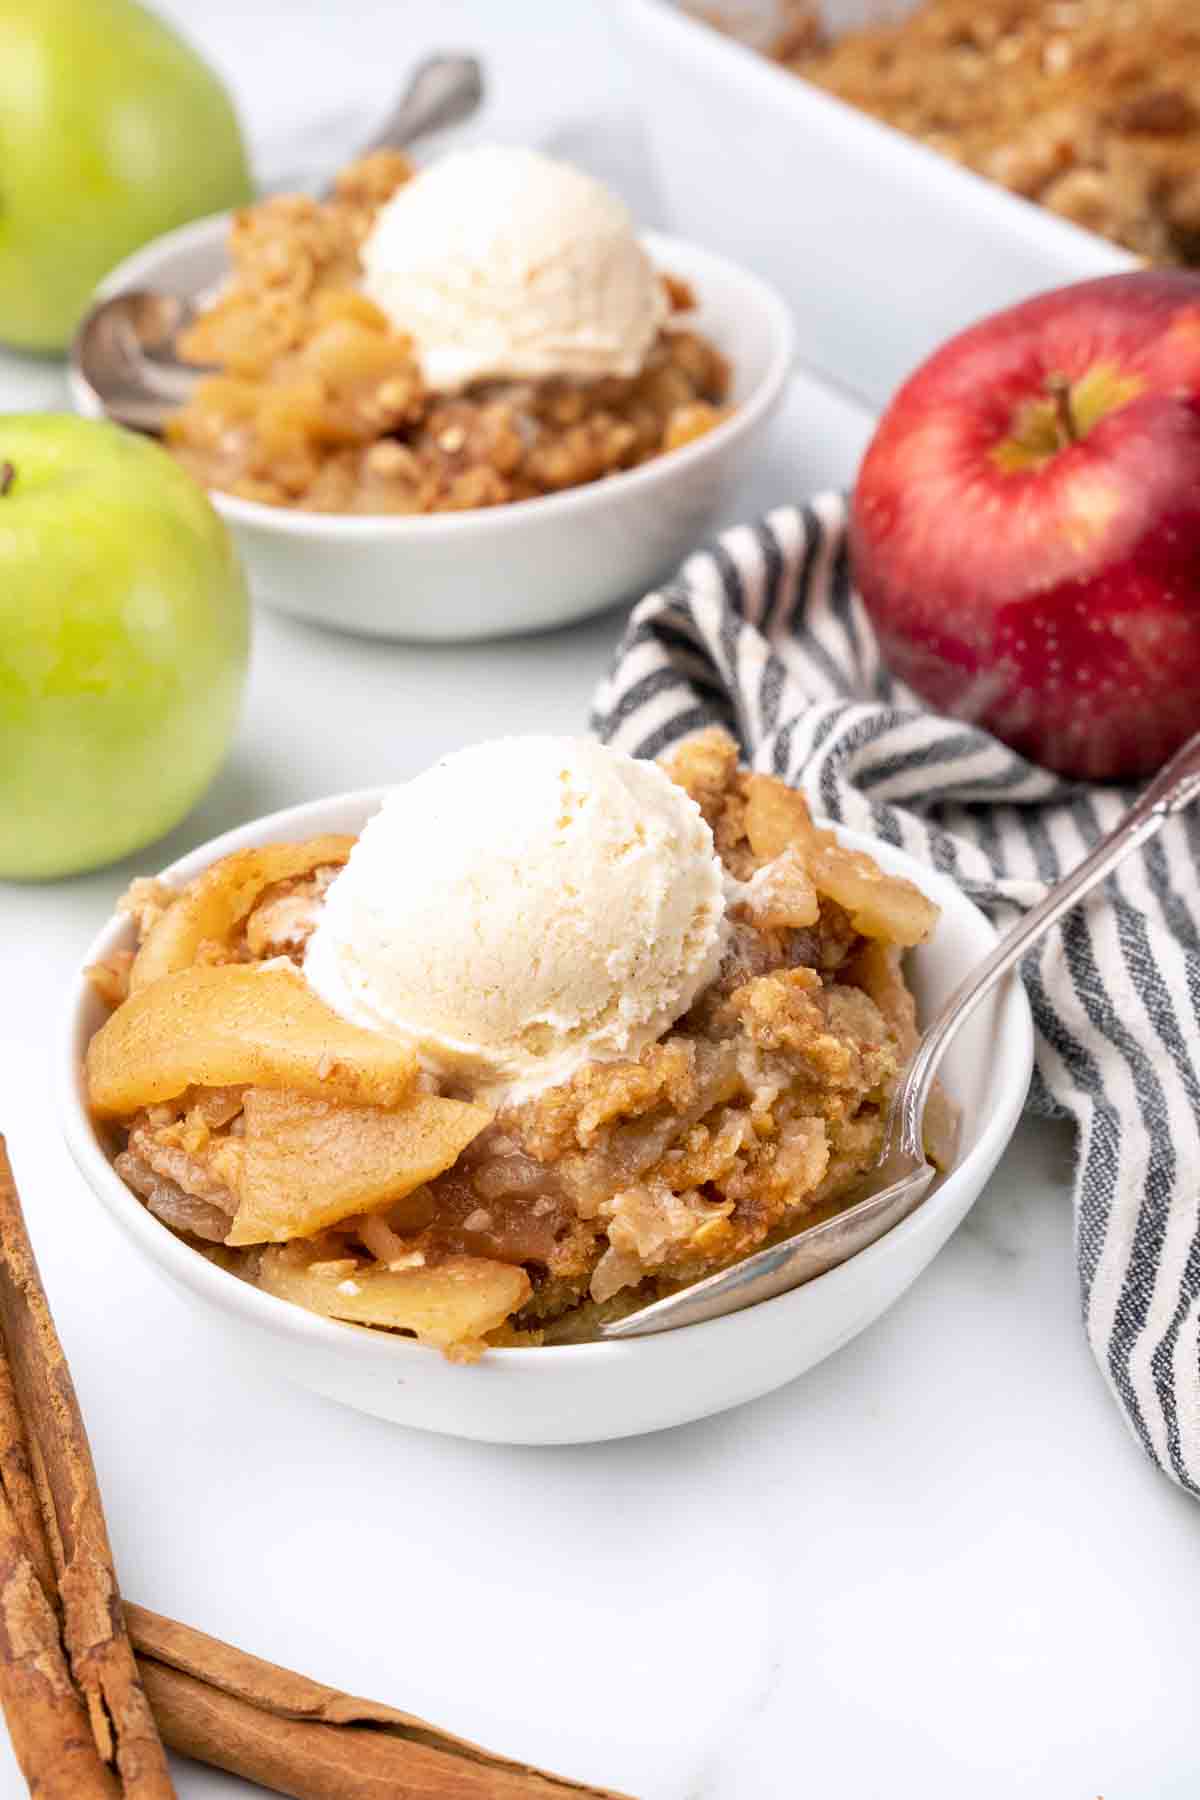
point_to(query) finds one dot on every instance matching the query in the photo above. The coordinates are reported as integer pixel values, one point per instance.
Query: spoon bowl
(124, 356)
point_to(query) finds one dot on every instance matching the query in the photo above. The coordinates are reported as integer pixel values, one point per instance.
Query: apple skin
(124, 640)
(1048, 589)
(112, 131)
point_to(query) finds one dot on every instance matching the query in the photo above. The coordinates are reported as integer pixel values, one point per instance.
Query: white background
(936, 1567)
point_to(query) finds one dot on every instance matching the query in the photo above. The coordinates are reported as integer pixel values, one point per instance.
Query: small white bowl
(503, 569)
(588, 1392)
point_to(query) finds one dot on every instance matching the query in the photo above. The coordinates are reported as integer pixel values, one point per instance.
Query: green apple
(124, 639)
(112, 131)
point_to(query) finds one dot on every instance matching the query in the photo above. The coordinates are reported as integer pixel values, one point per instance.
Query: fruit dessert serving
(560, 1032)
(488, 329)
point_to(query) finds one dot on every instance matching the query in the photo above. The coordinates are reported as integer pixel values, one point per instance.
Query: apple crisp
(317, 1160)
(317, 402)
(1089, 107)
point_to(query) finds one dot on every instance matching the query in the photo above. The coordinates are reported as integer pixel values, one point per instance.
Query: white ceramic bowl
(582, 1393)
(502, 569)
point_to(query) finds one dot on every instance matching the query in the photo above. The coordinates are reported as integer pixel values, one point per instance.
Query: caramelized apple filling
(314, 1158)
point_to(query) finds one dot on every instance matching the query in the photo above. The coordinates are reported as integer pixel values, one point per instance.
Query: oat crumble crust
(317, 401)
(1089, 107)
(760, 1108)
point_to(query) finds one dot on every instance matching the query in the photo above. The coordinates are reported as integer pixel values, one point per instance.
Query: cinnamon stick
(81, 1711)
(80, 1721)
(48, 1721)
(46, 1717)
(222, 1706)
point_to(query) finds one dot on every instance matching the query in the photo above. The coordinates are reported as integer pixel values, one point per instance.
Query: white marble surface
(935, 1567)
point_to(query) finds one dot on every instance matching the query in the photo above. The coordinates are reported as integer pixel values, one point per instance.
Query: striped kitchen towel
(764, 634)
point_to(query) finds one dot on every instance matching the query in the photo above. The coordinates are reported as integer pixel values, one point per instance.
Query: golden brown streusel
(316, 401)
(1089, 107)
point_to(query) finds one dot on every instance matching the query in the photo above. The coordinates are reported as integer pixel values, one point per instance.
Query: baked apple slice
(452, 1305)
(780, 896)
(880, 905)
(303, 1164)
(777, 818)
(233, 1024)
(210, 909)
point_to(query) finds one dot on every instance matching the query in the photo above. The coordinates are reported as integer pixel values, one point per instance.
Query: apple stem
(8, 475)
(1059, 390)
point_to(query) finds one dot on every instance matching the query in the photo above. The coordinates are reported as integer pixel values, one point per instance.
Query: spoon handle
(443, 91)
(1175, 787)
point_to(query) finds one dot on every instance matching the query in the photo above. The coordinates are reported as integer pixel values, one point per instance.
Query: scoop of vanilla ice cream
(503, 263)
(522, 907)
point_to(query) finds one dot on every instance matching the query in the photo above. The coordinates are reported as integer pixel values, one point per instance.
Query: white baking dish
(883, 247)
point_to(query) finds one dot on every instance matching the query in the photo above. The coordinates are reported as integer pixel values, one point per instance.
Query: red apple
(1025, 528)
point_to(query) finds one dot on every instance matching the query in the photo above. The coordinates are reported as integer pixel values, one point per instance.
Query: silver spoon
(902, 1176)
(124, 353)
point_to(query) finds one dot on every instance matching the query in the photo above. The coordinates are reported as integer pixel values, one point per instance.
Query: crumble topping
(1091, 108)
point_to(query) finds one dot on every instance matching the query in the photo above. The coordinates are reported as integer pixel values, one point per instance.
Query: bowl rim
(229, 1293)
(756, 294)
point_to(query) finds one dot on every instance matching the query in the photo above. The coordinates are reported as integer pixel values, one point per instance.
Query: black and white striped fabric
(763, 634)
